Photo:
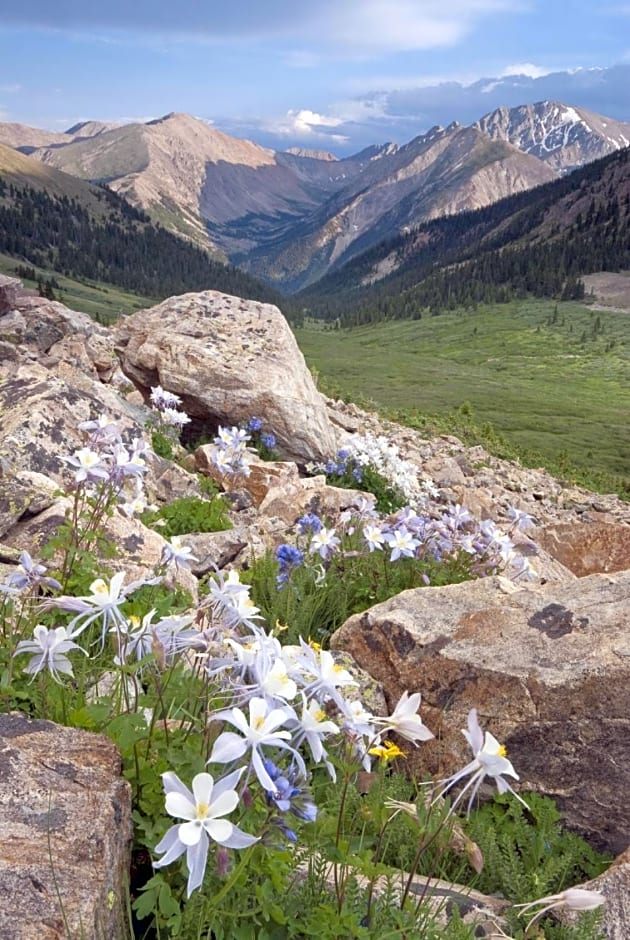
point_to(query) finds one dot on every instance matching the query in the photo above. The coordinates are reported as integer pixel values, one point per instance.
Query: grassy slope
(104, 302)
(536, 382)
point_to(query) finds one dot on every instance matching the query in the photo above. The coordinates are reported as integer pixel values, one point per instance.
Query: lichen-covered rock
(228, 359)
(614, 884)
(40, 412)
(23, 494)
(65, 833)
(548, 669)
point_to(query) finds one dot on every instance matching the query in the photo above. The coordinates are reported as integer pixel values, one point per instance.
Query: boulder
(229, 359)
(40, 412)
(65, 833)
(588, 547)
(614, 884)
(22, 495)
(548, 669)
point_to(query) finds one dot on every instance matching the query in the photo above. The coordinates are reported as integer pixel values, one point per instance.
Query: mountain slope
(440, 173)
(562, 136)
(538, 242)
(292, 217)
(59, 223)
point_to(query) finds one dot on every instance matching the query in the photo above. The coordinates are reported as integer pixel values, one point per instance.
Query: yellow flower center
(202, 810)
(314, 645)
(258, 723)
(502, 752)
(319, 715)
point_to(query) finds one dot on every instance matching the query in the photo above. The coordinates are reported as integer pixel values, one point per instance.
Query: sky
(333, 75)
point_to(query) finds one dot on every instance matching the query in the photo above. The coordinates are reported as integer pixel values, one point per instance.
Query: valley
(553, 378)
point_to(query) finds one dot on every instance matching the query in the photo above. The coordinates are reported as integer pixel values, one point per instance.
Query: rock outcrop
(228, 359)
(548, 669)
(65, 833)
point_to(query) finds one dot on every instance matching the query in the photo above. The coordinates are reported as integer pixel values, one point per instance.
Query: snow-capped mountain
(562, 136)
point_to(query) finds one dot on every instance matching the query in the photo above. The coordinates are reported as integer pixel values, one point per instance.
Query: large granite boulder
(65, 833)
(40, 410)
(228, 359)
(548, 669)
(45, 329)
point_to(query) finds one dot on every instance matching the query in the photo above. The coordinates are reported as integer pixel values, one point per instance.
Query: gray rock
(548, 669)
(229, 359)
(65, 833)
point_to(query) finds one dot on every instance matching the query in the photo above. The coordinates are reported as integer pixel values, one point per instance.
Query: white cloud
(304, 124)
(526, 68)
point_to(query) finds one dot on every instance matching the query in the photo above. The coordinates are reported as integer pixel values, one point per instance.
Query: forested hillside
(109, 240)
(537, 243)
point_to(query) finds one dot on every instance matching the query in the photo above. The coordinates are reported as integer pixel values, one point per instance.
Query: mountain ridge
(289, 217)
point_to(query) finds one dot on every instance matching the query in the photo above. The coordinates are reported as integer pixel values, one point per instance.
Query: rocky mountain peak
(559, 134)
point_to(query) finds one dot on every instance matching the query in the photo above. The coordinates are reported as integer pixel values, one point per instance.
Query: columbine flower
(324, 542)
(374, 536)
(268, 440)
(259, 731)
(163, 399)
(322, 675)
(89, 465)
(574, 899)
(402, 543)
(49, 648)
(489, 761)
(104, 601)
(174, 418)
(175, 552)
(405, 721)
(28, 575)
(203, 809)
(312, 727)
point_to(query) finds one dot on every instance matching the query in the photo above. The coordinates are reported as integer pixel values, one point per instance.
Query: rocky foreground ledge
(547, 663)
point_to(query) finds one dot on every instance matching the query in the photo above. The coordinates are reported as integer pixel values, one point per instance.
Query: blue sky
(330, 74)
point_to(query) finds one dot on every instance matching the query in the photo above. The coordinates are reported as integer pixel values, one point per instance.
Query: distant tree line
(120, 246)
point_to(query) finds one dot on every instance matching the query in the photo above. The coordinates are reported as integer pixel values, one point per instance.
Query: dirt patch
(610, 291)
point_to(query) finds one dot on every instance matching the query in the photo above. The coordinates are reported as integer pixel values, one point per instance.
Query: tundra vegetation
(269, 797)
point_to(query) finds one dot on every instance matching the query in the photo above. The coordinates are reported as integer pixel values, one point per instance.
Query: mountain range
(290, 217)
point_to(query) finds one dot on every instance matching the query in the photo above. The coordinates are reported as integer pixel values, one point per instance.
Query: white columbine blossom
(257, 732)
(489, 760)
(48, 648)
(324, 542)
(402, 543)
(405, 721)
(203, 810)
(88, 465)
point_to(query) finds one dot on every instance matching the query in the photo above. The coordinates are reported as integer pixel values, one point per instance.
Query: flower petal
(202, 788)
(228, 746)
(180, 806)
(190, 832)
(196, 858)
